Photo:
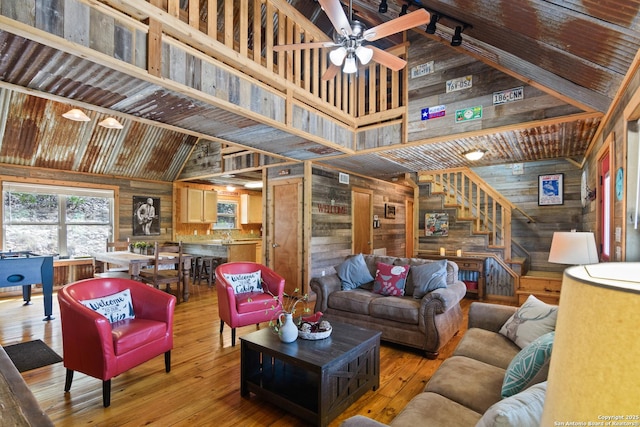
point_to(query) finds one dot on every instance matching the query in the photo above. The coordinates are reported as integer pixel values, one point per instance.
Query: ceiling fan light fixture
(364, 54)
(474, 155)
(337, 55)
(431, 26)
(350, 66)
(456, 40)
(110, 123)
(383, 6)
(76, 115)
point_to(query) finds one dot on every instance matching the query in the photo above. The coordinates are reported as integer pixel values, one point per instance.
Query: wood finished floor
(203, 387)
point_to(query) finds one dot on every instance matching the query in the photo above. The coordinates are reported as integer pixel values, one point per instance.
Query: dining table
(136, 262)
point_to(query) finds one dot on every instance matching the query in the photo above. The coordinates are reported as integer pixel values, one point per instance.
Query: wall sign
(551, 189)
(459, 84)
(468, 114)
(509, 95)
(422, 69)
(434, 112)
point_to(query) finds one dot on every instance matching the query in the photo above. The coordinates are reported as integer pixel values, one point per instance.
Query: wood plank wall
(331, 230)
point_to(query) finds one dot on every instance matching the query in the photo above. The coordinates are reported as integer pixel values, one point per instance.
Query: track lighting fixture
(404, 10)
(383, 6)
(456, 40)
(431, 26)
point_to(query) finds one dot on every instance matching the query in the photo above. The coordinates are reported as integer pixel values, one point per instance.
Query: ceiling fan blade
(331, 72)
(300, 46)
(335, 13)
(405, 22)
(387, 59)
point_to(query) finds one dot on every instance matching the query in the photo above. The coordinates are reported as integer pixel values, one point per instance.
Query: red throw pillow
(390, 279)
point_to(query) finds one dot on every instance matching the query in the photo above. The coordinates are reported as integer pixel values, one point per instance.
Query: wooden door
(408, 227)
(286, 233)
(362, 221)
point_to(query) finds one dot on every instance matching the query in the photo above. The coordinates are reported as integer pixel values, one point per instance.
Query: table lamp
(594, 370)
(571, 247)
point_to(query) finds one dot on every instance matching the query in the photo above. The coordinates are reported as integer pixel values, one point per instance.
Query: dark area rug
(31, 355)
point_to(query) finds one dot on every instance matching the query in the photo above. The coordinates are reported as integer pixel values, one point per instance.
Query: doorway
(362, 219)
(286, 233)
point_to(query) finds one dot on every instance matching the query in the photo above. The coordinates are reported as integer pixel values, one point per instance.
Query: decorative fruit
(313, 318)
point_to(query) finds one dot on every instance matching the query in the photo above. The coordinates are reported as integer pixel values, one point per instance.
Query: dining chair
(166, 269)
(111, 270)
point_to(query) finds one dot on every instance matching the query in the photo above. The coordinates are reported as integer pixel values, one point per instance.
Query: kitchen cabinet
(198, 206)
(250, 209)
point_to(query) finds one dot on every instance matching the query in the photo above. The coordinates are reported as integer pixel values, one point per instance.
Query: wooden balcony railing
(242, 33)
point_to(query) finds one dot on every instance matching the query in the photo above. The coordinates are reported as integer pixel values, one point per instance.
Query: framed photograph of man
(146, 216)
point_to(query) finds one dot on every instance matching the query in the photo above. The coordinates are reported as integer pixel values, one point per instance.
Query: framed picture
(389, 211)
(146, 216)
(436, 224)
(551, 189)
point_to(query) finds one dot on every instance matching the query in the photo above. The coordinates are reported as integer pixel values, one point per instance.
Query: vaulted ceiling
(577, 51)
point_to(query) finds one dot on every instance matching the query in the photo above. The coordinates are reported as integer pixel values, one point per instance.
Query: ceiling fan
(351, 38)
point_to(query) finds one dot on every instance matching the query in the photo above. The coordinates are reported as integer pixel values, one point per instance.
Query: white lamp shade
(594, 370)
(364, 54)
(573, 248)
(111, 123)
(350, 66)
(337, 55)
(76, 115)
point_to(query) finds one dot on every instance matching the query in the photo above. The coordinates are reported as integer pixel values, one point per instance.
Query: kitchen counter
(233, 251)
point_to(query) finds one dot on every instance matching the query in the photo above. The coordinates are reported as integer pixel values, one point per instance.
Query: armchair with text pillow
(246, 291)
(110, 325)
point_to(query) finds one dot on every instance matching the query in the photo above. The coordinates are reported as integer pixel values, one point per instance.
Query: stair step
(467, 218)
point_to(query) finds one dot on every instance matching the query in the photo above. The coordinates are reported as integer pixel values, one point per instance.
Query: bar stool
(205, 269)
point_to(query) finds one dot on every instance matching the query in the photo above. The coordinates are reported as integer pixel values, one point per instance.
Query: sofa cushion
(533, 319)
(115, 307)
(390, 279)
(428, 277)
(244, 282)
(354, 301)
(473, 384)
(520, 410)
(488, 347)
(353, 272)
(397, 309)
(434, 410)
(526, 365)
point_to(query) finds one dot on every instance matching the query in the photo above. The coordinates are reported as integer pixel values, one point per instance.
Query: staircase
(486, 209)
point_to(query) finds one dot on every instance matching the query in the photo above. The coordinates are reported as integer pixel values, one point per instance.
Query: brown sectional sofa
(467, 384)
(427, 323)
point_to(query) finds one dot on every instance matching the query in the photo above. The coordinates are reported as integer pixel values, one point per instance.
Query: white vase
(288, 331)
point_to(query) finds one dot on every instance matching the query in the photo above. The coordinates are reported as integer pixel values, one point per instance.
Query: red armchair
(250, 307)
(100, 349)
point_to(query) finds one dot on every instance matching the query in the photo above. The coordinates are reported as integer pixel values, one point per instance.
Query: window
(227, 213)
(48, 219)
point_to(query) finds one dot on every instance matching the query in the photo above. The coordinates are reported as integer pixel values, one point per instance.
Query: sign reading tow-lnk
(509, 95)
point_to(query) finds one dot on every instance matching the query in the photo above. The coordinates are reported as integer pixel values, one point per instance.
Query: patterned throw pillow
(521, 410)
(533, 319)
(353, 272)
(244, 282)
(526, 364)
(390, 279)
(114, 307)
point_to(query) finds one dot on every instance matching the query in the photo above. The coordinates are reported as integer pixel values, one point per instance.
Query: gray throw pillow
(353, 272)
(428, 277)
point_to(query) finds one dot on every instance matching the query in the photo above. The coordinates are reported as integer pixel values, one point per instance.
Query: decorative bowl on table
(314, 330)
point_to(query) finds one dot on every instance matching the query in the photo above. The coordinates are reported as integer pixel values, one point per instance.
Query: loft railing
(242, 33)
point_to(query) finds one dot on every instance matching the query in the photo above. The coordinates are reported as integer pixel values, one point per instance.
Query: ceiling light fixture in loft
(111, 123)
(431, 26)
(474, 155)
(253, 184)
(76, 115)
(456, 39)
(383, 6)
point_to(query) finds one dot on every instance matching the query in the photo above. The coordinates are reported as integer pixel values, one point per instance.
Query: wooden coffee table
(315, 380)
